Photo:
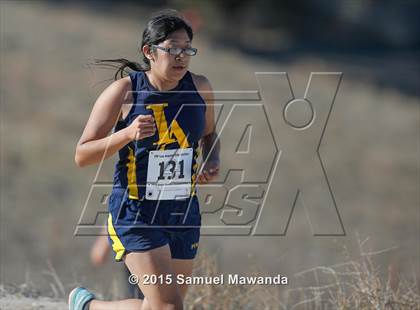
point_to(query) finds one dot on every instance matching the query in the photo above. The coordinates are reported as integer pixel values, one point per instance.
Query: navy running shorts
(142, 225)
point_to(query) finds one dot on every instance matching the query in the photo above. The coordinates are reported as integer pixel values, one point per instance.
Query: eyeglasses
(175, 51)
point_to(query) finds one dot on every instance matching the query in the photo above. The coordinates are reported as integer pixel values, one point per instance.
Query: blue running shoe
(79, 297)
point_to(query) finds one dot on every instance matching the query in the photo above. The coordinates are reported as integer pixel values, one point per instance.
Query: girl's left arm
(210, 142)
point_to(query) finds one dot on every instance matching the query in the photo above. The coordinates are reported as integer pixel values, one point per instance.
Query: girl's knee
(172, 306)
(175, 304)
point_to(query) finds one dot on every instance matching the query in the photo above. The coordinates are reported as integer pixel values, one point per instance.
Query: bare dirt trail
(24, 303)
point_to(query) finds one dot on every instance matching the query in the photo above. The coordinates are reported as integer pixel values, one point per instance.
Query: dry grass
(354, 284)
(228, 296)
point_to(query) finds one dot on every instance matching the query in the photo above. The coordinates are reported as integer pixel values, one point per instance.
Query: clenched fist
(142, 127)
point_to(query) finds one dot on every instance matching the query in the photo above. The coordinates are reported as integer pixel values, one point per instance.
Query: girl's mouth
(178, 68)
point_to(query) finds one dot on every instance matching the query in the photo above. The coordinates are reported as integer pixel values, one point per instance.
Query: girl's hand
(209, 172)
(142, 127)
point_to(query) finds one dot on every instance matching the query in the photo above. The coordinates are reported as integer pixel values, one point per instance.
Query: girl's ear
(147, 51)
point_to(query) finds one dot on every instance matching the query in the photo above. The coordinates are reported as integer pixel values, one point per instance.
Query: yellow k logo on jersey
(167, 135)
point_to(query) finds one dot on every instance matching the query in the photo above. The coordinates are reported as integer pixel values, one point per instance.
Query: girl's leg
(159, 296)
(126, 304)
(131, 290)
(185, 267)
(100, 249)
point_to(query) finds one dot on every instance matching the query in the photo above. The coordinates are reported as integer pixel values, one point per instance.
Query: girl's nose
(179, 55)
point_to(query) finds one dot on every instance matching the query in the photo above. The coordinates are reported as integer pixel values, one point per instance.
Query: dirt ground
(22, 303)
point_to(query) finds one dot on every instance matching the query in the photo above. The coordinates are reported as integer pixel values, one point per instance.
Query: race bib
(169, 174)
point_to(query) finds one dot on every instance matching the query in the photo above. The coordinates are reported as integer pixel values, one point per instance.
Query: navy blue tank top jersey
(179, 115)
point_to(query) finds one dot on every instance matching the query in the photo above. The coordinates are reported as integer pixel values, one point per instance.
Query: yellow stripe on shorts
(117, 246)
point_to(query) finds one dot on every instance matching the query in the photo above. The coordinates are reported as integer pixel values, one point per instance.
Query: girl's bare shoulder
(123, 86)
(201, 82)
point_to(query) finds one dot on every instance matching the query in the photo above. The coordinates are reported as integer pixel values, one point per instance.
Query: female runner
(163, 115)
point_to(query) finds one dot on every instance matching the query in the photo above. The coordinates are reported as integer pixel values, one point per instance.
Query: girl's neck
(159, 83)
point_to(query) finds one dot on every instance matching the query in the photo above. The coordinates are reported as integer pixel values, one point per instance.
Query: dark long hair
(157, 30)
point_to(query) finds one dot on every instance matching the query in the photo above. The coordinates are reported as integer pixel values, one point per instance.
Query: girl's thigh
(149, 266)
(184, 267)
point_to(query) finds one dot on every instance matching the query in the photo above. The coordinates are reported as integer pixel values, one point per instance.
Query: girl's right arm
(95, 145)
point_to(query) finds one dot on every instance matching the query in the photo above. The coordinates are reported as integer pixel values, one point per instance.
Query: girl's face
(171, 67)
